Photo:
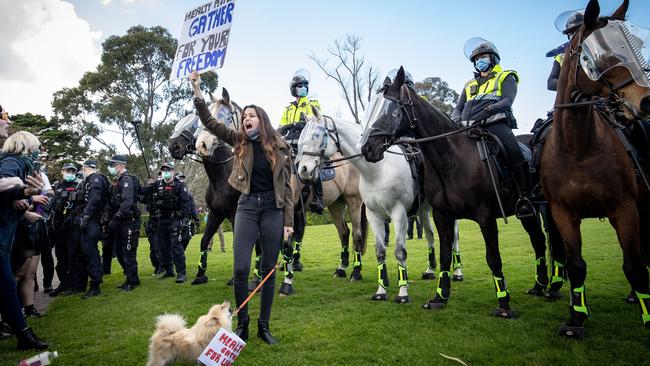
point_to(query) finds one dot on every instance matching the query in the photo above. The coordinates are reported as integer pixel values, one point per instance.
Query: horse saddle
(327, 173)
(416, 164)
(541, 129)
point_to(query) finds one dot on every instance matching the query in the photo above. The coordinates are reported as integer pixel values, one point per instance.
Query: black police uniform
(172, 201)
(151, 228)
(91, 199)
(62, 216)
(187, 228)
(124, 227)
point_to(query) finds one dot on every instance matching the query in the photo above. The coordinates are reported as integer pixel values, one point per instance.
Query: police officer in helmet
(62, 216)
(124, 224)
(568, 23)
(91, 200)
(190, 223)
(172, 202)
(487, 99)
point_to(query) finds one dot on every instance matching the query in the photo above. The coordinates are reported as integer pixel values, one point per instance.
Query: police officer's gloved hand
(483, 115)
(83, 223)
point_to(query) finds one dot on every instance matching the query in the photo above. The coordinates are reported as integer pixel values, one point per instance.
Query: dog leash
(250, 296)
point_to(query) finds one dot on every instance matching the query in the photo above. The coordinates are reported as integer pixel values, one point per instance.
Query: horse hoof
(356, 276)
(552, 295)
(433, 305)
(297, 266)
(631, 298)
(379, 297)
(340, 273)
(537, 290)
(428, 276)
(200, 280)
(230, 282)
(458, 278)
(253, 284)
(402, 299)
(571, 332)
(505, 314)
(286, 289)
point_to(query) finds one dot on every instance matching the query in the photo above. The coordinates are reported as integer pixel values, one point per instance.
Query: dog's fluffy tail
(169, 323)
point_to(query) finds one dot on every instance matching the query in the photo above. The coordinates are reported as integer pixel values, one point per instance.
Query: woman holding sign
(261, 172)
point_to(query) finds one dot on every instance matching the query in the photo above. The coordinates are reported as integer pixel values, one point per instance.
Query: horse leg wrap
(345, 257)
(501, 288)
(357, 260)
(578, 304)
(296, 252)
(382, 275)
(444, 285)
(644, 302)
(203, 260)
(402, 276)
(256, 271)
(432, 259)
(557, 278)
(455, 259)
(541, 272)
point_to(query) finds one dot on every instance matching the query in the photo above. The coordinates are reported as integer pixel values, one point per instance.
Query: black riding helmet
(299, 77)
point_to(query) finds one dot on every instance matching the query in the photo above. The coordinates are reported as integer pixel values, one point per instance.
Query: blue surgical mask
(301, 91)
(69, 177)
(34, 155)
(167, 175)
(254, 134)
(482, 64)
(112, 170)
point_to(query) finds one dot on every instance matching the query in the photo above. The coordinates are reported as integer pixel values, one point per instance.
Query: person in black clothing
(61, 225)
(262, 173)
(409, 231)
(124, 225)
(151, 229)
(190, 223)
(91, 200)
(172, 202)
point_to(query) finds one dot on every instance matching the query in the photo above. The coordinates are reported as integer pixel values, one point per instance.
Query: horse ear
(591, 14)
(387, 82)
(212, 98)
(401, 76)
(619, 14)
(225, 96)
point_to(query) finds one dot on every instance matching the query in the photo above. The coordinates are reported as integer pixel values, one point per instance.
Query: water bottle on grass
(40, 359)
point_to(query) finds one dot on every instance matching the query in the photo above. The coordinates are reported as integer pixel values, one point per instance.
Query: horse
(458, 182)
(220, 197)
(585, 168)
(387, 188)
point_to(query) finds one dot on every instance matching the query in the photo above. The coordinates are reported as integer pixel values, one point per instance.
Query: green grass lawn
(333, 322)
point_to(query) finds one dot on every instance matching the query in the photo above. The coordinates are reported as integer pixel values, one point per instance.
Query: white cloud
(46, 47)
(106, 2)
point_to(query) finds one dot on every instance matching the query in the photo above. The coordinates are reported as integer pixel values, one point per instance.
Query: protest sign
(204, 38)
(223, 349)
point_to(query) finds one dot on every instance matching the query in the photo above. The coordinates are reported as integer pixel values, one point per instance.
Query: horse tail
(364, 229)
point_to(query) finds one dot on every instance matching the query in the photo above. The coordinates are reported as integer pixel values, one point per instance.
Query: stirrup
(524, 208)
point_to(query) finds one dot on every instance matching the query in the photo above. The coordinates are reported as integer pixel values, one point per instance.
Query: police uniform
(62, 215)
(172, 202)
(124, 225)
(91, 199)
(151, 229)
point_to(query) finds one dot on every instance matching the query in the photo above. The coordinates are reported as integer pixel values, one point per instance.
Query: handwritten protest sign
(223, 349)
(204, 38)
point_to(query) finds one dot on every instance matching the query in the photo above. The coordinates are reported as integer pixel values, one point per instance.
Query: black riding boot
(264, 332)
(317, 204)
(242, 329)
(524, 207)
(28, 340)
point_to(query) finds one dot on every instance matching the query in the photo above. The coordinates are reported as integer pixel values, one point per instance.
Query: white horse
(387, 189)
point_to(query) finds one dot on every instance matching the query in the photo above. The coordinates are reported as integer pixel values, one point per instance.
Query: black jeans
(257, 216)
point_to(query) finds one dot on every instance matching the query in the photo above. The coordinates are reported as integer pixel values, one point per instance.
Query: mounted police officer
(487, 99)
(172, 202)
(91, 199)
(61, 221)
(568, 23)
(190, 223)
(124, 224)
(293, 120)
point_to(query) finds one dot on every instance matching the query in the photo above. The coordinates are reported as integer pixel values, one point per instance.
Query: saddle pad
(327, 174)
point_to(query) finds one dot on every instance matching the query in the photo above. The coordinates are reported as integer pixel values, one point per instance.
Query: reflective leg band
(644, 301)
(345, 257)
(501, 287)
(455, 258)
(432, 259)
(357, 259)
(402, 276)
(578, 302)
(558, 272)
(443, 274)
(256, 271)
(540, 266)
(382, 275)
(201, 254)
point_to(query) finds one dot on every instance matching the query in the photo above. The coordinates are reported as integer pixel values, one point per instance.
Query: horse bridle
(234, 118)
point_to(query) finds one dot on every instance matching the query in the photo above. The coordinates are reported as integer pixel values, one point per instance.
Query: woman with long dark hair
(262, 173)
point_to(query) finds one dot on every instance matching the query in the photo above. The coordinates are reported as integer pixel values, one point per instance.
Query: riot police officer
(124, 224)
(172, 201)
(190, 223)
(151, 229)
(61, 225)
(91, 199)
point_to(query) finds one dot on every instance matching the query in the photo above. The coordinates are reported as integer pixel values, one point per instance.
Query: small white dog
(172, 341)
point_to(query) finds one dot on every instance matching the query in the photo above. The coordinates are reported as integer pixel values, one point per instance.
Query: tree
(130, 83)
(61, 144)
(437, 92)
(356, 80)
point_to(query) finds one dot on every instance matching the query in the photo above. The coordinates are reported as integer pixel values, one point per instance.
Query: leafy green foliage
(437, 92)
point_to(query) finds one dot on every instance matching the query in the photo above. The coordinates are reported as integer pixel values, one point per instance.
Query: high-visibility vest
(295, 112)
(559, 58)
(491, 89)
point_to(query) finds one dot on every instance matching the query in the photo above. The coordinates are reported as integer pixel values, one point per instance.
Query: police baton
(136, 124)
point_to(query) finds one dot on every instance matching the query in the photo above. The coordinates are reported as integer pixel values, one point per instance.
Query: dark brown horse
(585, 168)
(457, 182)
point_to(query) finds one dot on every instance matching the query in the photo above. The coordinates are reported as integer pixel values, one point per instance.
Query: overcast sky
(49, 44)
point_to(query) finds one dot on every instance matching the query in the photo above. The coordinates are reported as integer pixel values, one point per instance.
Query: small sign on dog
(223, 349)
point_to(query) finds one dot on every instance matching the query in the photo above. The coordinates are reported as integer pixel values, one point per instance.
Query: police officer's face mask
(69, 177)
(112, 170)
(167, 175)
(301, 91)
(482, 64)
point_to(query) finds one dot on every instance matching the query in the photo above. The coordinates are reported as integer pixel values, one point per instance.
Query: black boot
(524, 206)
(264, 332)
(92, 292)
(317, 205)
(242, 329)
(28, 340)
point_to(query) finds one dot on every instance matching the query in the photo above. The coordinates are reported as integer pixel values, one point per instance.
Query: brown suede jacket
(240, 178)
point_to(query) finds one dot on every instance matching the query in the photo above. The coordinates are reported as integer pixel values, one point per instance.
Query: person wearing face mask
(91, 199)
(124, 224)
(171, 201)
(487, 99)
(262, 173)
(61, 225)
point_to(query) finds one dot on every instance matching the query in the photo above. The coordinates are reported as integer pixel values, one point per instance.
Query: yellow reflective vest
(298, 111)
(559, 59)
(491, 89)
